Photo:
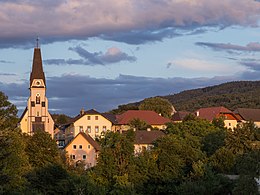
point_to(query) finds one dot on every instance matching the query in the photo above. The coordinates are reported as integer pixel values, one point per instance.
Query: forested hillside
(232, 95)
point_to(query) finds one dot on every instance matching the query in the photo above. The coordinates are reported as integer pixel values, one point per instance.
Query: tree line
(194, 157)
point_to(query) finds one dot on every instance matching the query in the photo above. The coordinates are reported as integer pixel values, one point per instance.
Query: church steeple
(37, 69)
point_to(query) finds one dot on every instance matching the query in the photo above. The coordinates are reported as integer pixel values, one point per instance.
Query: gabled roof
(147, 137)
(90, 140)
(249, 114)
(179, 115)
(213, 112)
(150, 117)
(37, 69)
(110, 117)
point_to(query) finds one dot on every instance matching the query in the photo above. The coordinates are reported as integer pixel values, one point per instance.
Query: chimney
(82, 111)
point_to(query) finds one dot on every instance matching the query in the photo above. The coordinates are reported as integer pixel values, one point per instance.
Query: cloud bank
(129, 21)
(105, 94)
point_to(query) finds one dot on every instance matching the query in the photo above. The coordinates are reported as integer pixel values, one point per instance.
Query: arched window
(38, 99)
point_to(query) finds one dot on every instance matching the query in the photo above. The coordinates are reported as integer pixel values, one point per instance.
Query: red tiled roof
(147, 137)
(150, 117)
(249, 114)
(214, 112)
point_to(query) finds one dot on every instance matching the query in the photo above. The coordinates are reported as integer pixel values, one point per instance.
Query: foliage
(241, 139)
(8, 113)
(123, 108)
(60, 118)
(232, 95)
(246, 185)
(13, 160)
(157, 104)
(50, 179)
(115, 163)
(138, 124)
(42, 150)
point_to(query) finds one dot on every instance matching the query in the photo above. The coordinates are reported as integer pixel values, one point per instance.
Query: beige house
(230, 119)
(90, 122)
(83, 149)
(249, 114)
(36, 115)
(144, 140)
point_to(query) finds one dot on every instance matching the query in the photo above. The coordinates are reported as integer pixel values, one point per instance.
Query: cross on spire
(37, 42)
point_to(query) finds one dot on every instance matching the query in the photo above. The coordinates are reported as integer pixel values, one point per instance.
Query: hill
(231, 95)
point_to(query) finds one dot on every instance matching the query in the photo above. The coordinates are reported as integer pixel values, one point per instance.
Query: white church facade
(36, 115)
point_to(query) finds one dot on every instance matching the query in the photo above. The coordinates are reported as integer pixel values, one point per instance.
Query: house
(249, 114)
(179, 116)
(230, 119)
(83, 148)
(144, 140)
(36, 115)
(150, 117)
(91, 122)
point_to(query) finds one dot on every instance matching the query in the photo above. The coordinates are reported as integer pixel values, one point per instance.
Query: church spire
(37, 69)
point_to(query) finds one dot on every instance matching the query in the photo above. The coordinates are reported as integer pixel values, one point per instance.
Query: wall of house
(138, 148)
(87, 149)
(257, 124)
(93, 125)
(24, 123)
(230, 124)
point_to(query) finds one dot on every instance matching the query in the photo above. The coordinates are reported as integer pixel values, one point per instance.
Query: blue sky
(100, 55)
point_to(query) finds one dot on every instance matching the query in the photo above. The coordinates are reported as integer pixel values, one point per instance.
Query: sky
(101, 54)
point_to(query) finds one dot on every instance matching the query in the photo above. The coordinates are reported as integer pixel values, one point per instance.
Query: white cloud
(204, 66)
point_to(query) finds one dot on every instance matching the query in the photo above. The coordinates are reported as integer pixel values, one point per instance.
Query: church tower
(36, 115)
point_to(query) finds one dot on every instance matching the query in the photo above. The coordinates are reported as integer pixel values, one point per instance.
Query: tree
(159, 105)
(13, 160)
(115, 162)
(138, 124)
(42, 150)
(242, 138)
(8, 113)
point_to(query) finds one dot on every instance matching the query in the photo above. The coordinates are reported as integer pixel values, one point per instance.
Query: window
(88, 146)
(33, 103)
(72, 156)
(96, 129)
(80, 128)
(104, 128)
(74, 147)
(88, 117)
(38, 114)
(229, 124)
(84, 157)
(38, 99)
(89, 129)
(96, 117)
(80, 146)
(43, 104)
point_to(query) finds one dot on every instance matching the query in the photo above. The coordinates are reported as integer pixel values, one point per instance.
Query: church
(36, 115)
